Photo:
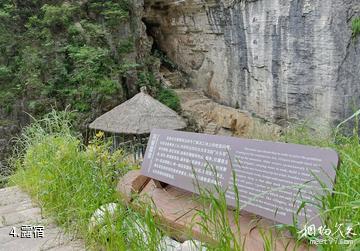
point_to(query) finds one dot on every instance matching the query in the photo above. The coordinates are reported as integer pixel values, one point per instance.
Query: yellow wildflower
(100, 134)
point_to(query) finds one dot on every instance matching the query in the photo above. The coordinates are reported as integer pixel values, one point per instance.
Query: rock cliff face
(279, 59)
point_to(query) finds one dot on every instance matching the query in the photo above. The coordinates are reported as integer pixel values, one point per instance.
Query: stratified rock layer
(280, 59)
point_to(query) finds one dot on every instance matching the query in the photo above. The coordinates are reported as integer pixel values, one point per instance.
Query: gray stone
(192, 246)
(98, 217)
(169, 244)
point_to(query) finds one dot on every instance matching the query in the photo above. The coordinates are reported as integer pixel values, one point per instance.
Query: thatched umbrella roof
(138, 116)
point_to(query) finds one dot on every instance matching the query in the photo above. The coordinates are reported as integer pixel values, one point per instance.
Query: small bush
(5, 73)
(57, 16)
(146, 78)
(169, 98)
(126, 46)
(355, 26)
(165, 60)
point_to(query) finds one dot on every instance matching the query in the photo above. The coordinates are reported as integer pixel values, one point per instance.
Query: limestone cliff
(279, 59)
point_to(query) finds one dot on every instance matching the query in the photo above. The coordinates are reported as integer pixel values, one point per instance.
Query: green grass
(70, 181)
(215, 219)
(342, 206)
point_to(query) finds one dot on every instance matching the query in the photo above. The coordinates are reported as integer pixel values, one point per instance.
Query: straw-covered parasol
(139, 115)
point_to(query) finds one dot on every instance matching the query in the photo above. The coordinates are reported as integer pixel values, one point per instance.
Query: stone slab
(17, 210)
(272, 179)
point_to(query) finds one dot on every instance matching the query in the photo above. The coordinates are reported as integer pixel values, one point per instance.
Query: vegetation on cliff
(169, 98)
(56, 53)
(355, 25)
(60, 53)
(77, 54)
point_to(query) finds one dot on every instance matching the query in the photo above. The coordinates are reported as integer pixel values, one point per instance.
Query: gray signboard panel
(272, 179)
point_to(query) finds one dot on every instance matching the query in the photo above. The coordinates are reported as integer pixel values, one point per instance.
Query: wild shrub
(169, 98)
(355, 26)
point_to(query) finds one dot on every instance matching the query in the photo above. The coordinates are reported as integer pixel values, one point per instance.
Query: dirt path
(22, 225)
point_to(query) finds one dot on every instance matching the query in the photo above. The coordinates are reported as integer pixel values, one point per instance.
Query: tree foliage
(56, 53)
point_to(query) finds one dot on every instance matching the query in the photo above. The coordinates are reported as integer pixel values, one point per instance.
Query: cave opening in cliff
(154, 32)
